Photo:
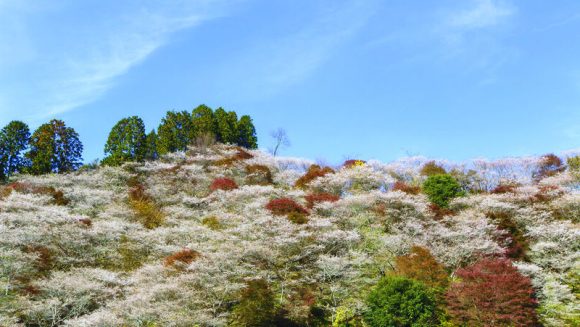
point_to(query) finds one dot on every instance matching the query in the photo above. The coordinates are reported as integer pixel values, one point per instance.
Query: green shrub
(257, 306)
(212, 222)
(441, 189)
(400, 301)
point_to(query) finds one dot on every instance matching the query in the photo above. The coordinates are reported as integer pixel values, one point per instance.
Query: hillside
(194, 239)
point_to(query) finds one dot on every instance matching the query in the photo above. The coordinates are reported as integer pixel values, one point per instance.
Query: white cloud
(46, 73)
(484, 13)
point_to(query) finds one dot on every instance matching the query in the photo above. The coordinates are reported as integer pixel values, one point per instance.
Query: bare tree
(281, 140)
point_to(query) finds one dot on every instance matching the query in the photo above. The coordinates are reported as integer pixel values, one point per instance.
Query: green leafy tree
(54, 148)
(175, 132)
(441, 188)
(399, 301)
(204, 121)
(126, 142)
(151, 146)
(226, 122)
(14, 139)
(247, 133)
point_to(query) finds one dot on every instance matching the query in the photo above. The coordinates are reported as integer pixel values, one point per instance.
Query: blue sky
(372, 79)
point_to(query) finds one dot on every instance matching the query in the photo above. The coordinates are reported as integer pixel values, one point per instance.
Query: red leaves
(285, 206)
(314, 171)
(224, 184)
(313, 199)
(494, 293)
(406, 188)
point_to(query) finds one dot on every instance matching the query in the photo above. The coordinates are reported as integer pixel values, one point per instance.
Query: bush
(440, 189)
(513, 236)
(298, 218)
(212, 222)
(314, 171)
(144, 207)
(315, 198)
(224, 184)
(257, 306)
(574, 164)
(493, 292)
(354, 163)
(550, 165)
(406, 188)
(505, 188)
(421, 266)
(431, 168)
(400, 301)
(285, 206)
(259, 175)
(185, 256)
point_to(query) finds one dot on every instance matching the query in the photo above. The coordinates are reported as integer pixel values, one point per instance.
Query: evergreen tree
(204, 121)
(126, 142)
(54, 148)
(175, 133)
(247, 133)
(151, 146)
(14, 139)
(227, 131)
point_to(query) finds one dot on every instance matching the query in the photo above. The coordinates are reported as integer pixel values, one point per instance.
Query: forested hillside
(219, 235)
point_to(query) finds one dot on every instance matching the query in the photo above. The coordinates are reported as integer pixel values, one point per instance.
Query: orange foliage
(422, 266)
(314, 171)
(185, 256)
(406, 188)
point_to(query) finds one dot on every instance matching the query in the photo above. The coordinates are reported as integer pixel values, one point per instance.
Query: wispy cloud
(45, 78)
(483, 13)
(269, 67)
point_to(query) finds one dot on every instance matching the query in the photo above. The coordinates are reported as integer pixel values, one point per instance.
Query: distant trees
(175, 132)
(55, 148)
(14, 139)
(178, 129)
(126, 142)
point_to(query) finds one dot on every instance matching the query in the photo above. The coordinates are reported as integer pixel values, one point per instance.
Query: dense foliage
(152, 243)
(399, 301)
(441, 188)
(126, 142)
(14, 139)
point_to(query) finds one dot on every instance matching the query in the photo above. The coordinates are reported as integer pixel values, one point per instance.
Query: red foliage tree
(224, 184)
(492, 293)
(406, 188)
(285, 206)
(313, 199)
(314, 171)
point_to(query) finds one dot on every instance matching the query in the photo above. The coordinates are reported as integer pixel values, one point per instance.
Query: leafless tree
(281, 140)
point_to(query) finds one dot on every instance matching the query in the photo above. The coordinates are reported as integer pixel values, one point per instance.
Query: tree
(420, 265)
(14, 139)
(175, 133)
(431, 168)
(204, 121)
(257, 306)
(280, 140)
(441, 188)
(126, 142)
(549, 165)
(399, 301)
(54, 148)
(247, 133)
(492, 293)
(227, 129)
(151, 146)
